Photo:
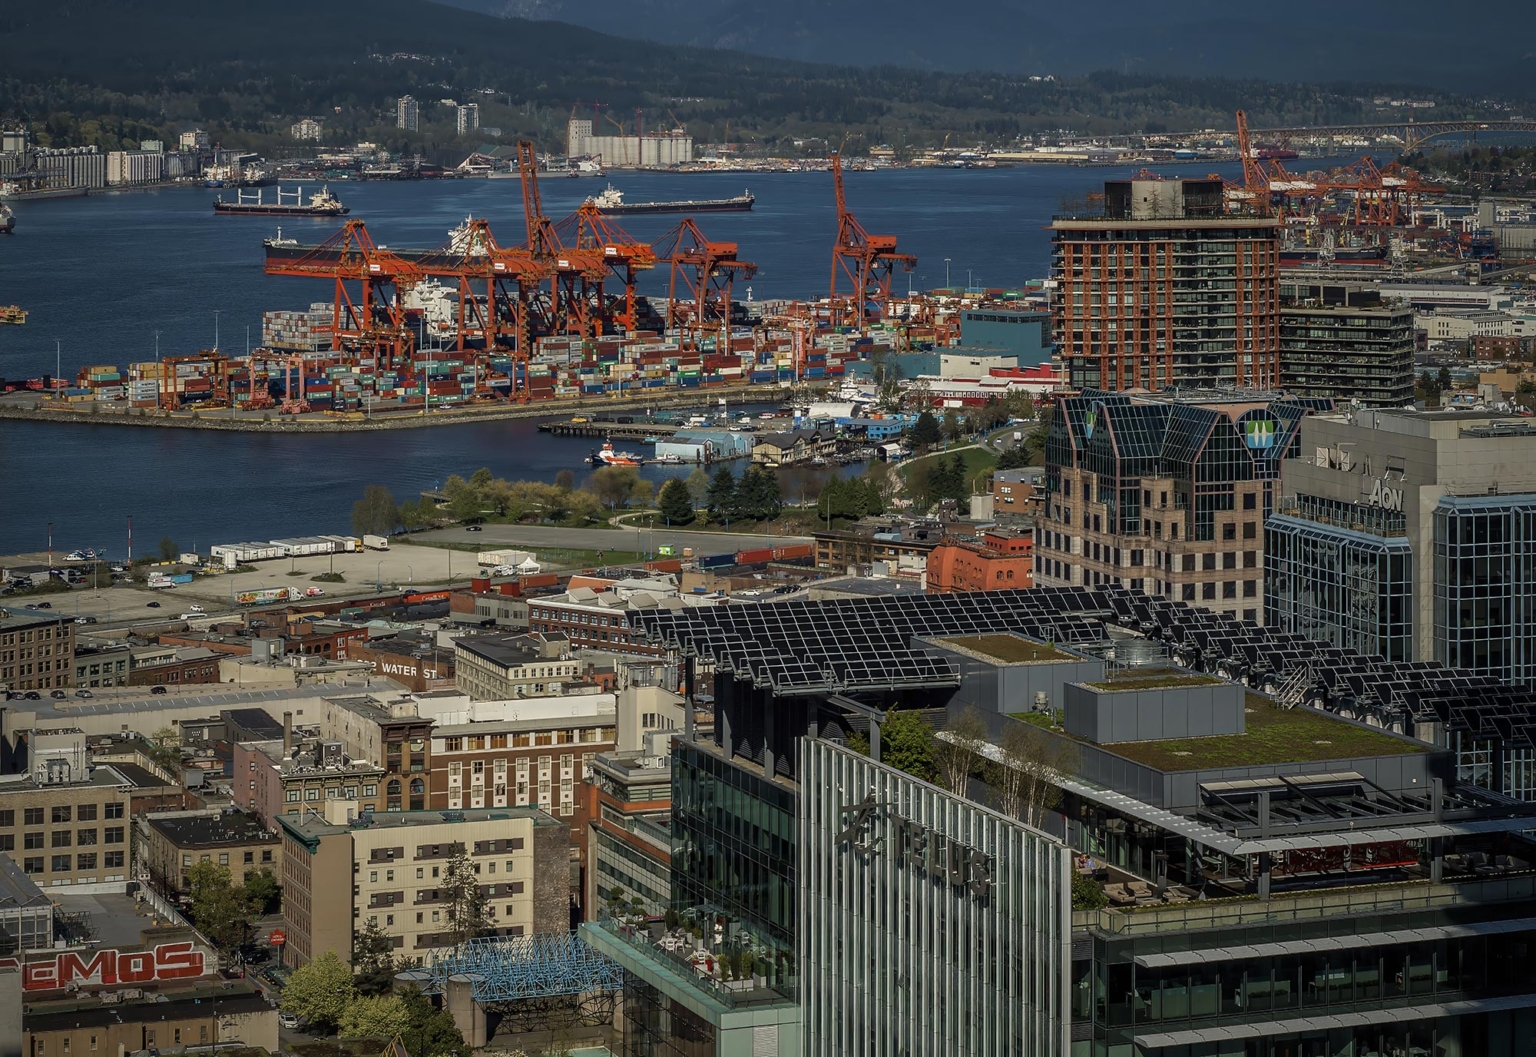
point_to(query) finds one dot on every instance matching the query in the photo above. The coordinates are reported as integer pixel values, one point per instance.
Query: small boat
(670, 459)
(606, 456)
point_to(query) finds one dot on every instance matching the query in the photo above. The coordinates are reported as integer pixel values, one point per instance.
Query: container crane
(699, 289)
(573, 273)
(375, 318)
(588, 232)
(868, 261)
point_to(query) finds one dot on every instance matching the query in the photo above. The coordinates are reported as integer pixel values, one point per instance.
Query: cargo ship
(321, 204)
(611, 202)
(1357, 256)
(7, 219)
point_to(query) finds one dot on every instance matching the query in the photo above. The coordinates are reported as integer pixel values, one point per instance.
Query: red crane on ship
(867, 261)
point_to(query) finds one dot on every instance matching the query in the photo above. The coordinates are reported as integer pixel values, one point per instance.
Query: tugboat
(606, 456)
(611, 202)
(321, 204)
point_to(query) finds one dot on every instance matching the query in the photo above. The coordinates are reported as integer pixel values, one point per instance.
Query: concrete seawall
(357, 422)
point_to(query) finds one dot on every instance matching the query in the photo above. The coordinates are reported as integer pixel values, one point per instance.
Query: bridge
(1411, 133)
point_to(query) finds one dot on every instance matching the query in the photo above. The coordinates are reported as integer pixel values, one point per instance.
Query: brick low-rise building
(998, 561)
(37, 650)
(65, 823)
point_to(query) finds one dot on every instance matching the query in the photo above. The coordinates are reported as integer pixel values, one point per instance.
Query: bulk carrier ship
(611, 202)
(321, 204)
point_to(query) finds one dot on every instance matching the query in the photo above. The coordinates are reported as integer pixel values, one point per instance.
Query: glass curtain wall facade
(929, 924)
(1340, 585)
(1485, 566)
(733, 852)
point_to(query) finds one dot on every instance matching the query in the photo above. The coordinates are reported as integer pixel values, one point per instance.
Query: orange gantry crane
(575, 275)
(372, 319)
(591, 235)
(699, 288)
(867, 261)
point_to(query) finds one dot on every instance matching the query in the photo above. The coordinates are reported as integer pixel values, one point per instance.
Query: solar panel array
(1397, 695)
(843, 645)
(846, 645)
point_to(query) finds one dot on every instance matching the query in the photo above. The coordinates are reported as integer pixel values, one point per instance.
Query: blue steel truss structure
(510, 968)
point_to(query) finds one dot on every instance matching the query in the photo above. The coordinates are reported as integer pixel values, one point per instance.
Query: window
(7, 842)
(32, 816)
(8, 818)
(113, 860)
(266, 855)
(1250, 530)
(1249, 500)
(86, 861)
(62, 838)
(63, 863)
(114, 810)
(453, 744)
(291, 796)
(223, 858)
(62, 813)
(517, 888)
(250, 857)
(114, 835)
(1207, 592)
(1229, 589)
(86, 813)
(32, 864)
(312, 794)
(85, 837)
(1208, 561)
(1250, 588)
(32, 840)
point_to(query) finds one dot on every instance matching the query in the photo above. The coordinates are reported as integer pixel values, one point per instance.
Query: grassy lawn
(1010, 649)
(978, 462)
(582, 559)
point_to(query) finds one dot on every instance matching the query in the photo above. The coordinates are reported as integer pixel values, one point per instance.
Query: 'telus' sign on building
(112, 967)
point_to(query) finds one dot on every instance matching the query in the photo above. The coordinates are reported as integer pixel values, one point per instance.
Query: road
(643, 540)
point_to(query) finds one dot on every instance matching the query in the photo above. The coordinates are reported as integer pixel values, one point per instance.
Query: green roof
(1009, 649)
(1274, 736)
(1160, 679)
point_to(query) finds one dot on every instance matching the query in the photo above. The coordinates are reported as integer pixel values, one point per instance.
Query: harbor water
(113, 277)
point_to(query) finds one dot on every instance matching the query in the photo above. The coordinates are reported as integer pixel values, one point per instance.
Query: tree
(698, 487)
(164, 750)
(373, 959)
(1444, 380)
(414, 514)
(906, 743)
(170, 550)
(675, 502)
(956, 755)
(262, 889)
(722, 493)
(925, 432)
(1014, 458)
(221, 910)
(466, 501)
(320, 990)
(1025, 779)
(565, 480)
(430, 1028)
(375, 1016)
(951, 424)
(465, 902)
(758, 496)
(1086, 893)
(376, 514)
(613, 485)
(641, 492)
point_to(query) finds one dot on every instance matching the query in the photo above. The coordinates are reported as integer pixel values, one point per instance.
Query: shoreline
(357, 422)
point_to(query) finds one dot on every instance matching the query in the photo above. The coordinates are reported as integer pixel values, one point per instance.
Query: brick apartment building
(37, 650)
(999, 560)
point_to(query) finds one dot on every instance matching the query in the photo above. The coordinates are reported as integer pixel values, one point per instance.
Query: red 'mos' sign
(111, 968)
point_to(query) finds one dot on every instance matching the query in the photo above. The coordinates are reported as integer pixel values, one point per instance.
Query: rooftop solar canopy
(852, 644)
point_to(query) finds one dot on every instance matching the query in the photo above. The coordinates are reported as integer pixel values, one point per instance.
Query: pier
(607, 429)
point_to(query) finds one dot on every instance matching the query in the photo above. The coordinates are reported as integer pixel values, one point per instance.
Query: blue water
(102, 275)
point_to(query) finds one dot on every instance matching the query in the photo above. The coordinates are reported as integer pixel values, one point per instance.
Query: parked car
(288, 1020)
(33, 695)
(157, 690)
(472, 528)
(153, 605)
(85, 620)
(84, 693)
(195, 608)
(58, 695)
(43, 605)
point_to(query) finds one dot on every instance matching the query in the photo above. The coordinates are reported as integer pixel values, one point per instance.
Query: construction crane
(574, 274)
(868, 261)
(699, 288)
(374, 319)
